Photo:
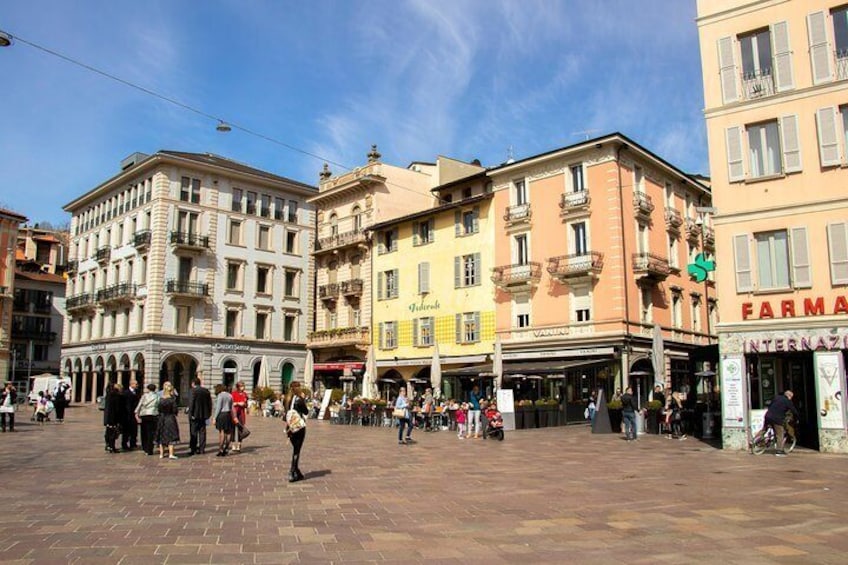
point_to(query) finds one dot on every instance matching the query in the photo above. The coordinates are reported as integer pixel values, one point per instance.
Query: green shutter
(477, 269)
(397, 284)
(379, 286)
(432, 223)
(457, 272)
(395, 239)
(476, 218)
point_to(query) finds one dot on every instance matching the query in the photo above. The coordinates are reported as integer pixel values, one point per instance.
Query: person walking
(113, 416)
(223, 416)
(474, 411)
(239, 414)
(461, 416)
(406, 421)
(780, 407)
(167, 428)
(61, 399)
(628, 414)
(8, 403)
(147, 415)
(296, 427)
(676, 408)
(129, 428)
(199, 411)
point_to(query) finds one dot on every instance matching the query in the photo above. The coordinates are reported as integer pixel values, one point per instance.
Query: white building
(187, 262)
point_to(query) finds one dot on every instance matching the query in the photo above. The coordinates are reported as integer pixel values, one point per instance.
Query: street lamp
(5, 39)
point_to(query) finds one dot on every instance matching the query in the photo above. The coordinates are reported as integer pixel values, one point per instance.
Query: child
(41, 408)
(461, 415)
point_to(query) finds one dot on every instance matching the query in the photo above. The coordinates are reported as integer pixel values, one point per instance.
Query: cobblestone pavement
(553, 495)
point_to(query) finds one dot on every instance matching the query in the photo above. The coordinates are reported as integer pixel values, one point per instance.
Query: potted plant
(614, 407)
(528, 412)
(652, 422)
(546, 409)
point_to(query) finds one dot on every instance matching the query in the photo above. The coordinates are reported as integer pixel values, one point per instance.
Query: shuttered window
(423, 278)
(801, 275)
(791, 144)
(727, 70)
(742, 254)
(783, 76)
(828, 134)
(735, 159)
(820, 52)
(837, 240)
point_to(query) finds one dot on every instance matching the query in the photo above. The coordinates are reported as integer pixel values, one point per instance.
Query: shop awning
(473, 371)
(548, 367)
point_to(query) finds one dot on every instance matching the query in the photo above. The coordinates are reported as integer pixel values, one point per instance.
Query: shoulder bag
(294, 420)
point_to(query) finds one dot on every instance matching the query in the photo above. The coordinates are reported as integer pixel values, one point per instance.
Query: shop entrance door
(799, 377)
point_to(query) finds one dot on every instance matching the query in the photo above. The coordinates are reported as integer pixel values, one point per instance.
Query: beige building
(187, 262)
(9, 224)
(777, 116)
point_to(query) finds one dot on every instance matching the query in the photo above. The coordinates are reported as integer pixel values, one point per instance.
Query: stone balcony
(643, 206)
(673, 220)
(339, 337)
(340, 240)
(518, 214)
(517, 277)
(353, 287)
(328, 291)
(574, 203)
(649, 268)
(576, 265)
(192, 242)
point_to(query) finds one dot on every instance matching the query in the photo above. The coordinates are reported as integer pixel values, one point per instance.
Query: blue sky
(420, 78)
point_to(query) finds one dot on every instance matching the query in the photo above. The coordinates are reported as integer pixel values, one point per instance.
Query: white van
(44, 382)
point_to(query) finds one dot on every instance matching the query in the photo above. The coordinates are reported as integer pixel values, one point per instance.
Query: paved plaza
(558, 495)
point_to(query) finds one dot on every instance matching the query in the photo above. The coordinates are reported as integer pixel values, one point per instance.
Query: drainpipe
(627, 336)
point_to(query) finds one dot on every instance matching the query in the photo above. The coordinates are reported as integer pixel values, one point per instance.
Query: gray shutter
(837, 240)
(423, 277)
(432, 224)
(416, 239)
(735, 164)
(397, 284)
(477, 326)
(727, 70)
(783, 78)
(819, 49)
(477, 269)
(790, 143)
(828, 136)
(459, 328)
(382, 333)
(379, 286)
(415, 331)
(457, 223)
(395, 239)
(476, 219)
(742, 251)
(801, 276)
(457, 272)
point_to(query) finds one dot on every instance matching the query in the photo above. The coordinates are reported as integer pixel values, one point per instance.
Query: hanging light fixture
(223, 127)
(5, 39)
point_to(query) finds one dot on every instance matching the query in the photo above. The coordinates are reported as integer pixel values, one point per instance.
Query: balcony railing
(103, 254)
(353, 237)
(650, 268)
(518, 213)
(757, 84)
(673, 219)
(117, 293)
(187, 288)
(141, 238)
(79, 301)
(693, 229)
(339, 337)
(573, 201)
(576, 265)
(517, 275)
(328, 291)
(642, 204)
(189, 240)
(353, 287)
(842, 64)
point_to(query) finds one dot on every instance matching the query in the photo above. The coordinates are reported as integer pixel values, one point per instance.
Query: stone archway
(230, 371)
(178, 369)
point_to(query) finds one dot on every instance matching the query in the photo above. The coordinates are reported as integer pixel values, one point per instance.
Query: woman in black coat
(295, 401)
(113, 415)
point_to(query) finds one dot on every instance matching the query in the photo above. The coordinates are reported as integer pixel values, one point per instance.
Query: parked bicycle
(768, 439)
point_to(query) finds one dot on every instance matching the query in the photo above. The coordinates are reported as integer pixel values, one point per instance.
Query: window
(669, 195)
(232, 323)
(642, 238)
(292, 215)
(289, 325)
(237, 196)
(279, 208)
(696, 313)
(577, 184)
(822, 51)
(756, 54)
(521, 250)
(468, 327)
(581, 301)
(357, 219)
(638, 179)
(832, 135)
(334, 225)
(520, 192)
(578, 238)
(423, 232)
(251, 202)
(466, 192)
(772, 259)
(672, 252)
(263, 279)
(265, 209)
(522, 321)
(467, 270)
(264, 238)
(423, 278)
(261, 325)
(764, 149)
(676, 309)
(773, 148)
(422, 331)
(291, 242)
(190, 190)
(388, 241)
(521, 311)
(290, 284)
(387, 284)
(355, 314)
(183, 319)
(187, 222)
(646, 306)
(388, 335)
(466, 222)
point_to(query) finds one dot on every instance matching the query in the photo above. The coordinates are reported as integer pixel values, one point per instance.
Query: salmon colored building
(592, 243)
(776, 95)
(9, 222)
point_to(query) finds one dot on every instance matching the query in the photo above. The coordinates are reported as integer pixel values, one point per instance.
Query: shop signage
(231, 347)
(828, 342)
(588, 352)
(424, 307)
(829, 378)
(733, 392)
(99, 347)
(794, 308)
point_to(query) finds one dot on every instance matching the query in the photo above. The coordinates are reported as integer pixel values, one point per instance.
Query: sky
(466, 79)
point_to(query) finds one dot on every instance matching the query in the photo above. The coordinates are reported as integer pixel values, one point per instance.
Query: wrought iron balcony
(517, 276)
(328, 291)
(576, 265)
(122, 292)
(338, 337)
(649, 268)
(572, 202)
(186, 289)
(518, 213)
(842, 64)
(103, 254)
(339, 240)
(757, 84)
(353, 287)
(189, 241)
(72, 266)
(642, 204)
(673, 219)
(79, 302)
(141, 239)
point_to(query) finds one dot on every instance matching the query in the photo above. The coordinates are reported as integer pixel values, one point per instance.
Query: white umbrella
(436, 372)
(264, 380)
(308, 370)
(497, 363)
(369, 379)
(658, 356)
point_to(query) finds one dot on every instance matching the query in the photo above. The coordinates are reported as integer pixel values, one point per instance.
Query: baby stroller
(494, 427)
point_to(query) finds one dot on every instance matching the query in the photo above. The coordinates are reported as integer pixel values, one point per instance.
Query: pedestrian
(129, 428)
(113, 415)
(404, 416)
(427, 409)
(296, 427)
(628, 414)
(147, 415)
(8, 403)
(676, 409)
(167, 428)
(779, 408)
(224, 420)
(474, 411)
(199, 412)
(461, 416)
(61, 399)
(239, 415)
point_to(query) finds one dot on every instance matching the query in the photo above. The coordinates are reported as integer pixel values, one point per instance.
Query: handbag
(399, 413)
(294, 420)
(243, 432)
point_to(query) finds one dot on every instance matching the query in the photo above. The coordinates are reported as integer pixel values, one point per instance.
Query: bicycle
(760, 444)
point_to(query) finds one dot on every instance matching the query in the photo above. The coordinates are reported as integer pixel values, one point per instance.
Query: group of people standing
(468, 412)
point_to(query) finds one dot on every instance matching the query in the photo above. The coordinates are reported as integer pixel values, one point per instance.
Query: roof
(13, 215)
(463, 180)
(46, 237)
(40, 277)
(431, 211)
(218, 161)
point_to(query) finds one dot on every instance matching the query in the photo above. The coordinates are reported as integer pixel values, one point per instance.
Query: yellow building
(432, 291)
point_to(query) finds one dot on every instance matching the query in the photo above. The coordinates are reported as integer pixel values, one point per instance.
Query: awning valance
(548, 367)
(474, 371)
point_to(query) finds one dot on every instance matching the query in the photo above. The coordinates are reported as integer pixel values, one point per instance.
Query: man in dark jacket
(199, 411)
(129, 427)
(628, 414)
(776, 416)
(113, 415)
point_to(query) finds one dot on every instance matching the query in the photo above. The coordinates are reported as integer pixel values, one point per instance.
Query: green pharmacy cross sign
(701, 267)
